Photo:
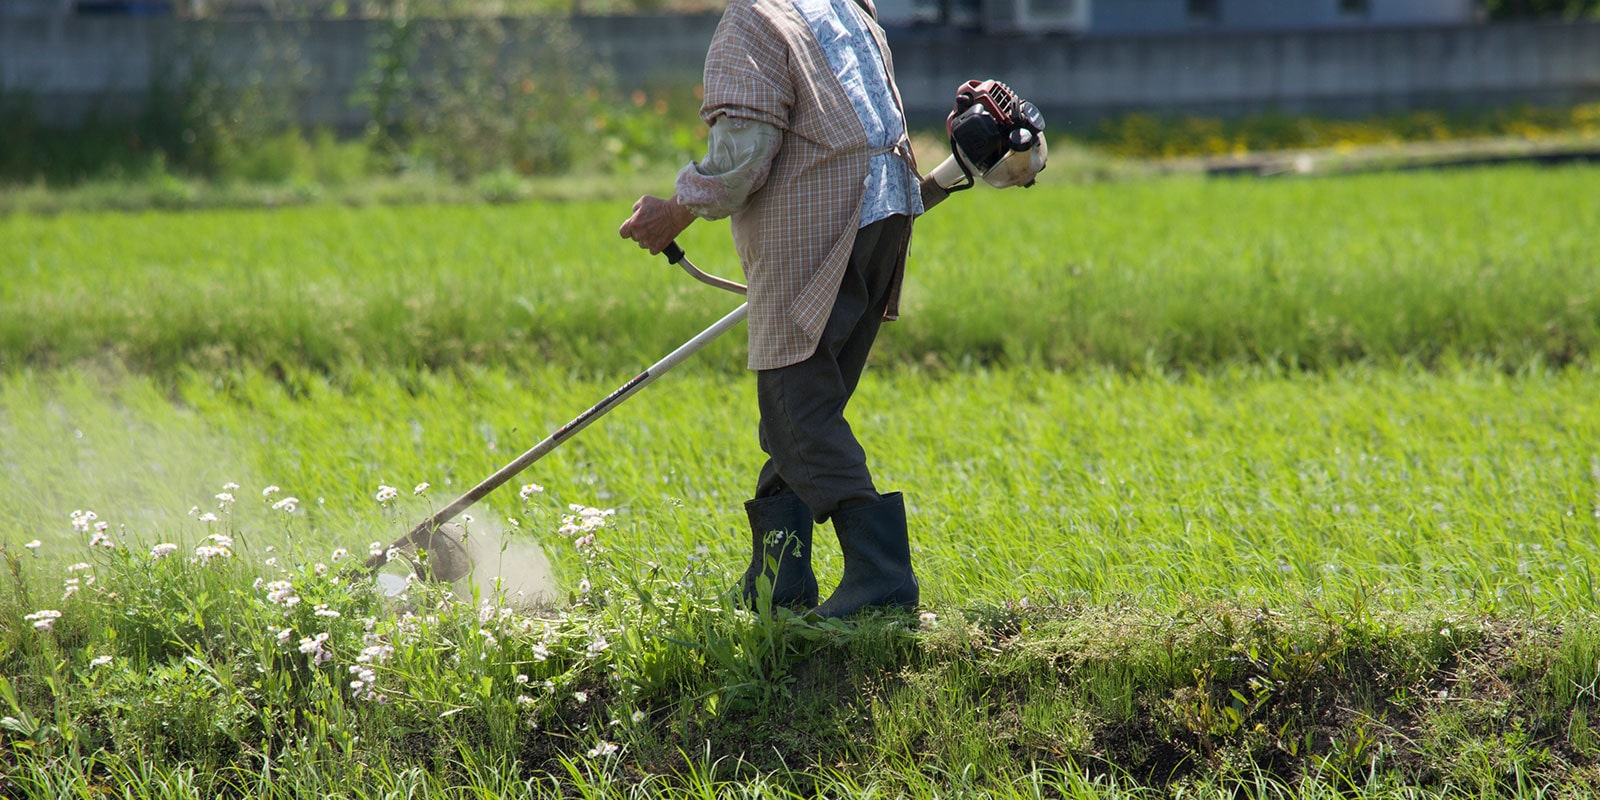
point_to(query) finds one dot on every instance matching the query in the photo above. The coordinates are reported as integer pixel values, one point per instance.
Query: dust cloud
(514, 566)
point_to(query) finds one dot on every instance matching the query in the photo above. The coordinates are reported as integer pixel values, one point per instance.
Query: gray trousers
(811, 450)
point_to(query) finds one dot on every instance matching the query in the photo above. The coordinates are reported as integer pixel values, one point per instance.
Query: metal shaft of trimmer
(422, 533)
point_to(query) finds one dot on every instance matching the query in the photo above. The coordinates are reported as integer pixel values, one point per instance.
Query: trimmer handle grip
(674, 253)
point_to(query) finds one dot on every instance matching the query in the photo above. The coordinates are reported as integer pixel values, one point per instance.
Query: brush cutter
(994, 135)
(436, 548)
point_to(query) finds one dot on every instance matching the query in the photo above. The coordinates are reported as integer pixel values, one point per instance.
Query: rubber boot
(877, 559)
(780, 530)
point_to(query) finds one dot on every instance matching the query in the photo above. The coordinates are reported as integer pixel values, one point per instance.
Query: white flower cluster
(162, 550)
(365, 677)
(531, 489)
(287, 505)
(386, 493)
(377, 652)
(583, 522)
(83, 521)
(205, 552)
(221, 547)
(72, 585)
(281, 593)
(317, 648)
(43, 620)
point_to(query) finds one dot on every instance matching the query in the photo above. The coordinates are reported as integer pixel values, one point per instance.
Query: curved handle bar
(676, 256)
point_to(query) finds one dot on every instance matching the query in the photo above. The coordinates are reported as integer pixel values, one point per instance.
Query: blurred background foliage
(491, 93)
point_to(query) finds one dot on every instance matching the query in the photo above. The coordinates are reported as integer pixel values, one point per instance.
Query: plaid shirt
(795, 235)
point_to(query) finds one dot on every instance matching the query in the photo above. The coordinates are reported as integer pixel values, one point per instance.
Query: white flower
(583, 519)
(927, 620)
(339, 554)
(386, 493)
(603, 749)
(524, 700)
(1444, 631)
(582, 697)
(43, 620)
(322, 610)
(286, 505)
(71, 587)
(100, 539)
(163, 550)
(638, 717)
(284, 635)
(269, 491)
(34, 545)
(229, 486)
(208, 517)
(82, 520)
(224, 498)
(531, 489)
(375, 654)
(583, 586)
(281, 593)
(100, 661)
(375, 549)
(314, 646)
(421, 487)
(102, 526)
(80, 566)
(205, 552)
(598, 645)
(221, 539)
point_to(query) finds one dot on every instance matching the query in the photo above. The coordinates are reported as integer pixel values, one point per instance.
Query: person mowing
(808, 157)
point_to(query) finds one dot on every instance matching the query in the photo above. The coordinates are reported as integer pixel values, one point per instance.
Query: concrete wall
(1171, 16)
(71, 66)
(1333, 72)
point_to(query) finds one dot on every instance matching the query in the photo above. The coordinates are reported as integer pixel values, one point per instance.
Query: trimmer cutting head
(435, 555)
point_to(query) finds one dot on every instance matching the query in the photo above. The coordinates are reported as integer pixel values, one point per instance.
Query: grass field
(1289, 487)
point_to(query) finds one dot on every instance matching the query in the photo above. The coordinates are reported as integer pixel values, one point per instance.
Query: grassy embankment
(1290, 486)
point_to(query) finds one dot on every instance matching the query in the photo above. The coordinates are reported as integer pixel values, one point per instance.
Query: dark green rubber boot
(780, 532)
(877, 559)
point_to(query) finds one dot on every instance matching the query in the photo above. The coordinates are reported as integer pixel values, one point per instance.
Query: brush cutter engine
(994, 134)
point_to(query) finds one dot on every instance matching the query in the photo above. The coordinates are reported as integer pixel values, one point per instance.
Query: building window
(1355, 8)
(1205, 11)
